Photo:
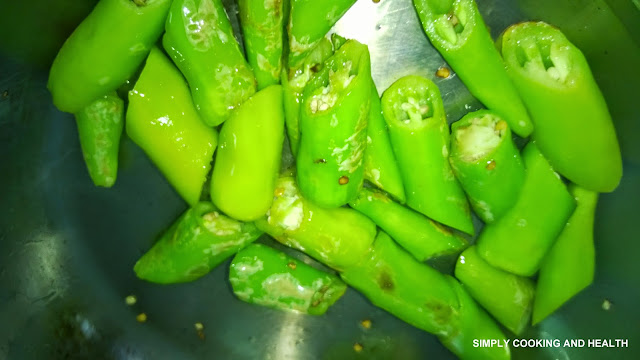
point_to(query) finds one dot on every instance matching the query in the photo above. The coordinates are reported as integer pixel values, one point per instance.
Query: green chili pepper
(380, 166)
(487, 163)
(423, 297)
(413, 110)
(518, 241)
(267, 277)
(248, 158)
(100, 127)
(474, 324)
(309, 22)
(337, 237)
(457, 31)
(105, 50)
(508, 297)
(294, 83)
(333, 124)
(200, 40)
(263, 26)
(162, 120)
(573, 127)
(414, 292)
(569, 266)
(197, 242)
(420, 236)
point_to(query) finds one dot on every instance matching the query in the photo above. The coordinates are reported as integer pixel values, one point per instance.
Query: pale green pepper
(163, 121)
(248, 158)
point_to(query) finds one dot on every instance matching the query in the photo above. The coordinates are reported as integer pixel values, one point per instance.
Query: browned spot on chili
(343, 180)
(491, 164)
(376, 1)
(441, 312)
(292, 265)
(385, 282)
(443, 72)
(316, 67)
(140, 2)
(315, 303)
(320, 161)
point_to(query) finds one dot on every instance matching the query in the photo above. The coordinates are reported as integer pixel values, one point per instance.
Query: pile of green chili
(380, 185)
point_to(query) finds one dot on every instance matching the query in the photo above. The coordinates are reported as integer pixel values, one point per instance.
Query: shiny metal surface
(67, 248)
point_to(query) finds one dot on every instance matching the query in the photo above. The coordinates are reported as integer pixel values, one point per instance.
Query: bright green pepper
(508, 297)
(413, 110)
(573, 127)
(105, 50)
(337, 237)
(474, 324)
(263, 29)
(294, 82)
(248, 159)
(487, 163)
(569, 266)
(456, 29)
(396, 282)
(264, 276)
(518, 241)
(420, 236)
(423, 297)
(100, 127)
(198, 241)
(162, 120)
(309, 22)
(200, 40)
(333, 127)
(380, 166)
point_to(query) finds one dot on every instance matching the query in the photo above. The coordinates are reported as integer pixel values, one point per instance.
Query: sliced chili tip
(343, 180)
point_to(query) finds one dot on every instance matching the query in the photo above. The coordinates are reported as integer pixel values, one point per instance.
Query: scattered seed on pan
(366, 323)
(142, 317)
(130, 300)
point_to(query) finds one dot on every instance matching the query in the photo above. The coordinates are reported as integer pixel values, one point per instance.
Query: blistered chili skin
(337, 237)
(104, 51)
(309, 22)
(264, 276)
(200, 41)
(263, 30)
(333, 128)
(199, 240)
(100, 127)
(574, 129)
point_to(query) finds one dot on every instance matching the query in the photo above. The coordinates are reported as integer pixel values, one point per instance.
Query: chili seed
(343, 180)
(443, 72)
(292, 265)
